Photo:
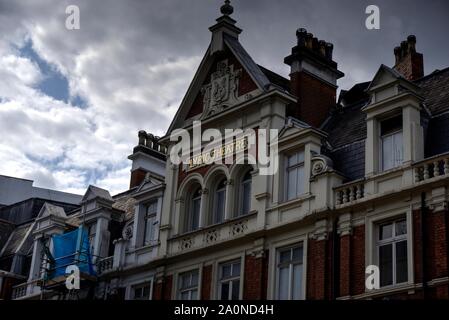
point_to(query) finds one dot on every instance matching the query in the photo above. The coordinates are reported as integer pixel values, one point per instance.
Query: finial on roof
(227, 9)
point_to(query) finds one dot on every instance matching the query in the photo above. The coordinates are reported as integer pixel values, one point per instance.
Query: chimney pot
(329, 50)
(409, 62)
(404, 46)
(301, 34)
(411, 40)
(397, 54)
(322, 47)
(309, 38)
(142, 136)
(315, 46)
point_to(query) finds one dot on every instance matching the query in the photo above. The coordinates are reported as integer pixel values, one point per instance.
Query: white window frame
(148, 217)
(189, 216)
(291, 265)
(381, 145)
(230, 280)
(180, 290)
(375, 218)
(288, 168)
(141, 285)
(391, 241)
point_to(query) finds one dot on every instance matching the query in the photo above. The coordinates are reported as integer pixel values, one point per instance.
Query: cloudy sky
(72, 102)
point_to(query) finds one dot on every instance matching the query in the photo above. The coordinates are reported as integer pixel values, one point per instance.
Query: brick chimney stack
(313, 78)
(409, 62)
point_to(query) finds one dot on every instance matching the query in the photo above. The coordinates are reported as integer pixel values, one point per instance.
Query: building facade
(362, 181)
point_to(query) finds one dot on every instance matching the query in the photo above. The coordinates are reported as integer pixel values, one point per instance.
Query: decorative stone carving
(186, 243)
(223, 89)
(239, 228)
(321, 164)
(128, 230)
(211, 236)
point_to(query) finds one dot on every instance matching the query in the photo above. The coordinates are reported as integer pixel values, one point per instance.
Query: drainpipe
(423, 244)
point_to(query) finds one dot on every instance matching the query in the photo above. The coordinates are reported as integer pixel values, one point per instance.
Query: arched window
(244, 194)
(219, 200)
(192, 220)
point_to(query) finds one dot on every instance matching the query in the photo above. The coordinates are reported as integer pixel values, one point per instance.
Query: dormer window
(150, 223)
(391, 144)
(294, 175)
(219, 200)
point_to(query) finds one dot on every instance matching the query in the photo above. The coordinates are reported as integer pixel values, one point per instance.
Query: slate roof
(346, 127)
(15, 240)
(435, 89)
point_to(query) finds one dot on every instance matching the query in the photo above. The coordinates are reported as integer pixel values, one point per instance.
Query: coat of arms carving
(222, 90)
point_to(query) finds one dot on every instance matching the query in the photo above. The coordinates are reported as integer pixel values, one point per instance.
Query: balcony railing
(349, 192)
(105, 264)
(19, 291)
(432, 168)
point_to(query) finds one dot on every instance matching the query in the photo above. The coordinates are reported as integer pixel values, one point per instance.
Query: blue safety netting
(71, 248)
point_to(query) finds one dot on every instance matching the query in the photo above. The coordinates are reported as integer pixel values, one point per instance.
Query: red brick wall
(255, 277)
(206, 282)
(345, 265)
(357, 255)
(317, 270)
(411, 66)
(137, 176)
(315, 98)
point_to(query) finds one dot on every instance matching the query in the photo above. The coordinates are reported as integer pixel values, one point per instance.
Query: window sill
(147, 247)
(292, 203)
(388, 290)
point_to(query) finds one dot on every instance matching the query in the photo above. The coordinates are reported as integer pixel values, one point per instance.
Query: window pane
(194, 295)
(297, 282)
(387, 152)
(235, 290)
(285, 256)
(385, 231)
(224, 291)
(397, 149)
(292, 177)
(226, 273)
(297, 254)
(195, 214)
(194, 279)
(283, 283)
(300, 181)
(401, 262)
(386, 264)
(185, 295)
(236, 269)
(300, 156)
(246, 201)
(219, 206)
(146, 291)
(401, 228)
(292, 160)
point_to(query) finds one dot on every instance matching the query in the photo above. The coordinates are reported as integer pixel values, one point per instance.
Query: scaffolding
(70, 250)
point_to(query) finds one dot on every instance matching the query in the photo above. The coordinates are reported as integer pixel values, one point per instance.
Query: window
(294, 175)
(391, 143)
(193, 212)
(219, 199)
(229, 281)
(244, 194)
(150, 223)
(92, 228)
(392, 252)
(141, 291)
(188, 285)
(290, 273)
